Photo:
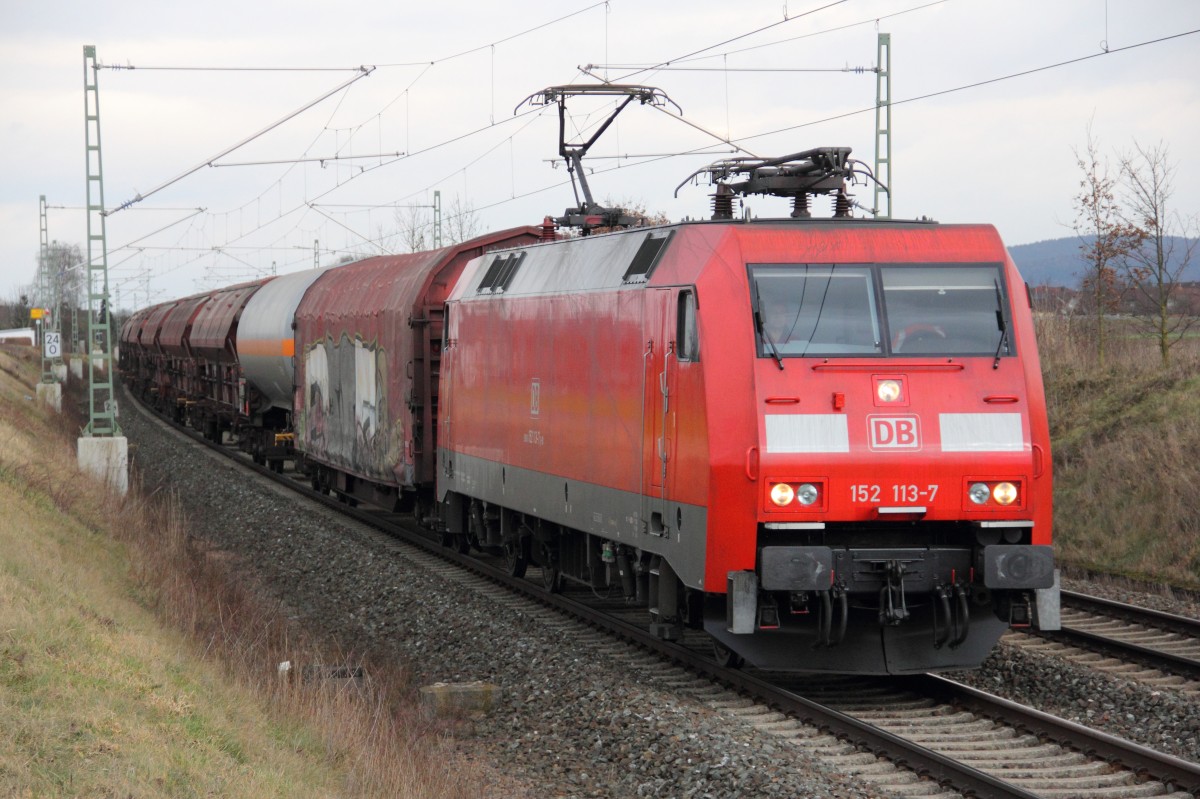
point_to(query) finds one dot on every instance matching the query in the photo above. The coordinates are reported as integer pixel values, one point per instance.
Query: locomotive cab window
(686, 336)
(808, 310)
(946, 310)
(863, 310)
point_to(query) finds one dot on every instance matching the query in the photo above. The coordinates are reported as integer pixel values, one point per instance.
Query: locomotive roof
(628, 258)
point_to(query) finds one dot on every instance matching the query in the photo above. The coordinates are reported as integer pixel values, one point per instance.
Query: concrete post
(50, 396)
(108, 459)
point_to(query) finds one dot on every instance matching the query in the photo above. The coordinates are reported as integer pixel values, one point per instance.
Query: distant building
(17, 335)
(1054, 299)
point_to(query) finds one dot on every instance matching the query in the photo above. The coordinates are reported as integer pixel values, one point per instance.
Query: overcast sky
(448, 76)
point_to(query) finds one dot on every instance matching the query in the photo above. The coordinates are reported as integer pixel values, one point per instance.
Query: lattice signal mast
(883, 128)
(50, 297)
(102, 406)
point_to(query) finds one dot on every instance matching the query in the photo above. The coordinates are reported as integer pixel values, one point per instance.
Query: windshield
(811, 310)
(816, 310)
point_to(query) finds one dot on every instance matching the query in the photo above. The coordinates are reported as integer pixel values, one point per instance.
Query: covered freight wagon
(368, 343)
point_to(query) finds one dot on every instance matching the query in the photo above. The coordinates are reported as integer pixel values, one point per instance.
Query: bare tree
(1156, 266)
(14, 312)
(461, 223)
(62, 280)
(637, 210)
(1105, 239)
(415, 228)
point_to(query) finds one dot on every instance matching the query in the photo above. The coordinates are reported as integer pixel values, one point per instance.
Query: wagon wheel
(725, 657)
(516, 556)
(551, 574)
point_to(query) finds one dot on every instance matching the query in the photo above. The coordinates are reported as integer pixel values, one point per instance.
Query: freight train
(822, 441)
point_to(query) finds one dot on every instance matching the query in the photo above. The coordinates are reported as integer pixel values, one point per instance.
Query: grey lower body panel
(674, 530)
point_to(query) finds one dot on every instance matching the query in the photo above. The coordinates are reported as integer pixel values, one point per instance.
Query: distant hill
(1056, 262)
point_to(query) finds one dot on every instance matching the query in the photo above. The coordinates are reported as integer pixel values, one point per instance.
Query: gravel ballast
(574, 719)
(571, 720)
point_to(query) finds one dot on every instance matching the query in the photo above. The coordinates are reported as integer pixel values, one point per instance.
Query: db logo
(894, 432)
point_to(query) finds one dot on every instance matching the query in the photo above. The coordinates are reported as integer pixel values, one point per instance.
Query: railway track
(913, 737)
(1157, 648)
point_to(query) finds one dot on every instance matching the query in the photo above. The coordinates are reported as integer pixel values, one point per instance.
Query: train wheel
(726, 657)
(516, 556)
(552, 579)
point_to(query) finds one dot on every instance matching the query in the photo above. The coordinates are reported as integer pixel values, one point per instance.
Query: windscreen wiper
(1000, 323)
(762, 330)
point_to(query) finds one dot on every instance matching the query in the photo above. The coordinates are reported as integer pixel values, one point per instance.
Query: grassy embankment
(1126, 441)
(134, 664)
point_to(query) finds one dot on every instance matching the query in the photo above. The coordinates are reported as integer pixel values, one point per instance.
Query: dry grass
(1126, 438)
(98, 697)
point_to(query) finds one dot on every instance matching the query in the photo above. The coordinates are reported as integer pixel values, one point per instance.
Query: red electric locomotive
(823, 441)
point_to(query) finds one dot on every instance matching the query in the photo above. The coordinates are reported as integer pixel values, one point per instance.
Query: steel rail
(1149, 655)
(1139, 615)
(1145, 762)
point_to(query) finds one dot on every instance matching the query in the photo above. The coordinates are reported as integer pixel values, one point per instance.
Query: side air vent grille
(500, 274)
(646, 258)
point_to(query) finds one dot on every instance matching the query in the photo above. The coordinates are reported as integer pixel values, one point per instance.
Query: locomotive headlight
(782, 494)
(806, 494)
(1004, 493)
(888, 390)
(979, 493)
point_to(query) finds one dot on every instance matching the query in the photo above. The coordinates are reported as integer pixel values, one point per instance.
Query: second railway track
(1157, 648)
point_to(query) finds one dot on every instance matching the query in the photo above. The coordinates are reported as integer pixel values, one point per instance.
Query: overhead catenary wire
(822, 32)
(508, 38)
(855, 70)
(372, 242)
(211, 162)
(321, 159)
(365, 170)
(393, 158)
(739, 37)
(746, 139)
(133, 67)
(681, 118)
(928, 95)
(977, 84)
(365, 71)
